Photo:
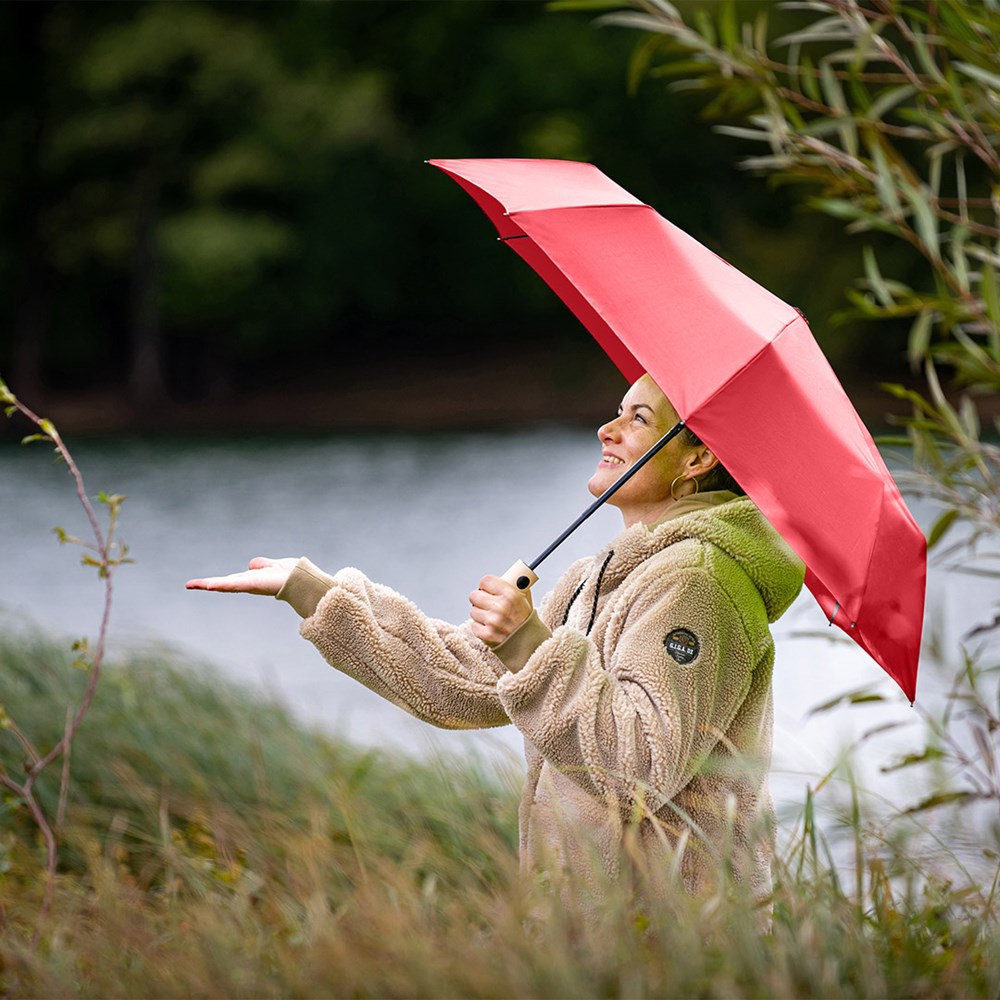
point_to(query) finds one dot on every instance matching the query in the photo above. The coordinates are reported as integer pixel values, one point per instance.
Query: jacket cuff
(516, 649)
(305, 587)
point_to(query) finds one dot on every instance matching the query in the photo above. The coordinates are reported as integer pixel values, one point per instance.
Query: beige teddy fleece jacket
(642, 688)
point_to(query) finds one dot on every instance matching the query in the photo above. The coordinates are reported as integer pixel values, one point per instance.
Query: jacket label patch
(682, 645)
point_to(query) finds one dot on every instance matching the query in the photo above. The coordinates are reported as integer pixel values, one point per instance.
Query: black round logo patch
(682, 645)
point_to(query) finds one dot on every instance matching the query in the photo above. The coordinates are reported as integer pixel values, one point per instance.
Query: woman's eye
(640, 418)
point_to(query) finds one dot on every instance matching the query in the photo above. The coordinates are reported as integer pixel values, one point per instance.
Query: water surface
(425, 514)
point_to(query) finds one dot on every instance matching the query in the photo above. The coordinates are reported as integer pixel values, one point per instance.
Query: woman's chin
(598, 484)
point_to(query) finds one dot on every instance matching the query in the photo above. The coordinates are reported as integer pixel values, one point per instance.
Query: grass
(215, 847)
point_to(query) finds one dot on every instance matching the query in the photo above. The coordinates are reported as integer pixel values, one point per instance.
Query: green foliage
(237, 191)
(198, 106)
(161, 741)
(888, 115)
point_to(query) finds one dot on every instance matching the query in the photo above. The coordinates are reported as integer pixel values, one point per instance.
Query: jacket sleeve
(631, 719)
(438, 672)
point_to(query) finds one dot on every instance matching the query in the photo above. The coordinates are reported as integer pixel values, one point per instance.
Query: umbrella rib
(871, 555)
(585, 207)
(750, 361)
(608, 493)
(769, 345)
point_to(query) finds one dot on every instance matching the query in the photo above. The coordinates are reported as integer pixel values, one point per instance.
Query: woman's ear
(701, 461)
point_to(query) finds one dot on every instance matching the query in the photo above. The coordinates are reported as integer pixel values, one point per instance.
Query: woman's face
(644, 416)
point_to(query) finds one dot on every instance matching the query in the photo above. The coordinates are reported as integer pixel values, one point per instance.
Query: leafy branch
(888, 110)
(105, 553)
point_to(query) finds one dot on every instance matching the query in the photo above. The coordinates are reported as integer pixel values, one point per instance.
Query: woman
(642, 686)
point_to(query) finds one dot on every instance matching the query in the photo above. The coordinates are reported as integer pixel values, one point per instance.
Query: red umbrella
(742, 370)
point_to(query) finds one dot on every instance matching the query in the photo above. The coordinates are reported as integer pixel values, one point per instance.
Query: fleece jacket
(642, 687)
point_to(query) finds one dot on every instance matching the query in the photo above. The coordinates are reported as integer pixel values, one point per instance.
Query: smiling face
(644, 416)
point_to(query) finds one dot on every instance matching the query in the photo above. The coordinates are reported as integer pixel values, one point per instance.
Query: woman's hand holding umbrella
(499, 609)
(263, 576)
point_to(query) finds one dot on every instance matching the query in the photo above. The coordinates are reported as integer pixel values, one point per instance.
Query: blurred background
(217, 216)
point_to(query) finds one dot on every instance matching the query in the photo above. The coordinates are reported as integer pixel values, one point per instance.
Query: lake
(427, 514)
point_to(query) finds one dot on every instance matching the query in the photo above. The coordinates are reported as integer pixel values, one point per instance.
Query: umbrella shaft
(609, 492)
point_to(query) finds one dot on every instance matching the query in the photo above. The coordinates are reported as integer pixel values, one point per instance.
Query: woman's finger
(265, 576)
(265, 582)
(488, 633)
(234, 582)
(482, 599)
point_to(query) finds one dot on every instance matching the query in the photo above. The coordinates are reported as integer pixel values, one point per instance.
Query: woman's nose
(608, 431)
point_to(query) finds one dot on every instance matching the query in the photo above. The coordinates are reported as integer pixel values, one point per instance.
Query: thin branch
(38, 763)
(979, 145)
(64, 775)
(963, 220)
(93, 677)
(11, 785)
(51, 862)
(70, 464)
(26, 745)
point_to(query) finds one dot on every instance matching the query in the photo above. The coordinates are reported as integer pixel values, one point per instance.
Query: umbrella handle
(521, 575)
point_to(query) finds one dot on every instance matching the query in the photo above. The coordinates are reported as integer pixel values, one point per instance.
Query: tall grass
(215, 847)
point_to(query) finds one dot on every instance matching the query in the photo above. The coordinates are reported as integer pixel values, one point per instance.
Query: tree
(203, 195)
(157, 148)
(189, 126)
(22, 133)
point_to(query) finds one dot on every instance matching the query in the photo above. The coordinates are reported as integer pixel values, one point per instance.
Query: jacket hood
(736, 527)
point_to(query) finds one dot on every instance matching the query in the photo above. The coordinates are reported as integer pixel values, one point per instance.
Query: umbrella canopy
(742, 369)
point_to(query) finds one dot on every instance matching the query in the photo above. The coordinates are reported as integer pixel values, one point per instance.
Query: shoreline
(420, 396)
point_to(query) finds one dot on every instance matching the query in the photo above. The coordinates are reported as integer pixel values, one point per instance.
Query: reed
(214, 846)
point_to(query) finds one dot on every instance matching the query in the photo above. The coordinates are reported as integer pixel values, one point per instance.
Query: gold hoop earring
(686, 479)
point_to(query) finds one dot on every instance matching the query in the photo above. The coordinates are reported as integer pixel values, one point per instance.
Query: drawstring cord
(572, 600)
(597, 593)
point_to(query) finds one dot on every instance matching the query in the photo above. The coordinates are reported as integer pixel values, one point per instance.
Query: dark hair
(718, 478)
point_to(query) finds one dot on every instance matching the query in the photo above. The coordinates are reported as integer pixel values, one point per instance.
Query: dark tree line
(198, 195)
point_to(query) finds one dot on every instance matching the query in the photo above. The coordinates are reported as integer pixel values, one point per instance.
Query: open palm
(263, 576)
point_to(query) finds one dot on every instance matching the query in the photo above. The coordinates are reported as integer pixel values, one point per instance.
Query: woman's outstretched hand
(499, 609)
(264, 576)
